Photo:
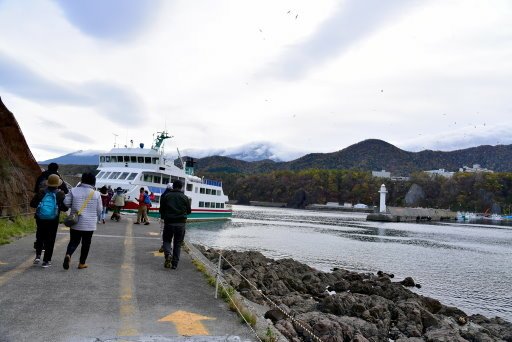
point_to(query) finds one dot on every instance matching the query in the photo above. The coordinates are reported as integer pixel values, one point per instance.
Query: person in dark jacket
(41, 184)
(47, 228)
(174, 208)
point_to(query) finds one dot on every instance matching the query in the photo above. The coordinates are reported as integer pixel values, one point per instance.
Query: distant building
(381, 174)
(400, 178)
(475, 168)
(440, 172)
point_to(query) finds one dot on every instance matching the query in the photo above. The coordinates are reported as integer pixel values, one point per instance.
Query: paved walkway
(125, 295)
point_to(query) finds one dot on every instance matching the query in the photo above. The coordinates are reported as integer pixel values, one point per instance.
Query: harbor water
(464, 265)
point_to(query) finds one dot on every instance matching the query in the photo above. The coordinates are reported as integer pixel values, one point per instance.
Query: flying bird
(288, 12)
(296, 16)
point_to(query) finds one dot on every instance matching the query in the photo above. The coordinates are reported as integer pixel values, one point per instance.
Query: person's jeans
(175, 233)
(74, 241)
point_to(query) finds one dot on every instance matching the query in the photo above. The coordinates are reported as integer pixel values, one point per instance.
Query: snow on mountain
(250, 152)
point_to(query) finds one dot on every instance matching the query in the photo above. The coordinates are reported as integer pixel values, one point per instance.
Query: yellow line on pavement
(128, 308)
(4, 278)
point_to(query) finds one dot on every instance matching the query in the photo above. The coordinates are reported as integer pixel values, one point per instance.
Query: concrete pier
(396, 214)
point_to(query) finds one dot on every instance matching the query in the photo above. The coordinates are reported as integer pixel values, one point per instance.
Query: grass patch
(20, 227)
(227, 294)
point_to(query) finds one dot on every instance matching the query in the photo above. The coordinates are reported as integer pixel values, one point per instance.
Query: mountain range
(367, 155)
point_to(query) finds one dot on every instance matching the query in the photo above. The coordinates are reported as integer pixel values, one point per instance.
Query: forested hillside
(480, 192)
(372, 155)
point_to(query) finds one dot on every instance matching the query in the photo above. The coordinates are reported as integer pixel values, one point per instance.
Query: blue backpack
(48, 208)
(146, 199)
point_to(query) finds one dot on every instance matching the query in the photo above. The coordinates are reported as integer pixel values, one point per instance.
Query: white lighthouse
(382, 193)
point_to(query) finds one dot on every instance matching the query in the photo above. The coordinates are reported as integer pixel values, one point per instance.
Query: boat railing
(212, 182)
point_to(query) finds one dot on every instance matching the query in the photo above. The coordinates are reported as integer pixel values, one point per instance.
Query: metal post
(217, 278)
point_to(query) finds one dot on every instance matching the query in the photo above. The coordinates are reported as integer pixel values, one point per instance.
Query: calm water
(465, 265)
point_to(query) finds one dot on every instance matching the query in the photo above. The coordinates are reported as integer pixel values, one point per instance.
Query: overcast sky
(313, 76)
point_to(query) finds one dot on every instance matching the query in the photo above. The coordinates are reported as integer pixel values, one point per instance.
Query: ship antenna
(181, 159)
(115, 139)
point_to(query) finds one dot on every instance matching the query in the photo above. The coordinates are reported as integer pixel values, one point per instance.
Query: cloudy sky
(312, 76)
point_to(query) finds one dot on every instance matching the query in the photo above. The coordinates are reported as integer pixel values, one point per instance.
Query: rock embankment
(349, 306)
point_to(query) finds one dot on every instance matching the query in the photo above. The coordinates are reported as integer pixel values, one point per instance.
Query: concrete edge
(262, 324)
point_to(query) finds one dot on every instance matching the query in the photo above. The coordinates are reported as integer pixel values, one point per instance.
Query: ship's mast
(160, 139)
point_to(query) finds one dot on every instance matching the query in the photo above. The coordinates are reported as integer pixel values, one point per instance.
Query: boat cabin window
(100, 174)
(156, 199)
(208, 191)
(207, 204)
(140, 160)
(156, 179)
(126, 159)
(147, 160)
(114, 175)
(107, 159)
(201, 191)
(217, 205)
(219, 192)
(124, 175)
(222, 205)
(132, 176)
(182, 179)
(147, 178)
(155, 160)
(214, 192)
(201, 204)
(113, 159)
(165, 179)
(133, 159)
(189, 187)
(102, 159)
(107, 174)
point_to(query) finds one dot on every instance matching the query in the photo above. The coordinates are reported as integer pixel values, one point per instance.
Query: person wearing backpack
(41, 184)
(142, 212)
(49, 202)
(85, 201)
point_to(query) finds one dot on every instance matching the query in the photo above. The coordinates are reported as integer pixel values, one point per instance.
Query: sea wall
(348, 306)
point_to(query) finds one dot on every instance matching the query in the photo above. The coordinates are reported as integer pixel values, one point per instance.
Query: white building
(440, 172)
(475, 168)
(381, 174)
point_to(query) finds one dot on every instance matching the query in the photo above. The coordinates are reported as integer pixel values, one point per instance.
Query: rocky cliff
(18, 168)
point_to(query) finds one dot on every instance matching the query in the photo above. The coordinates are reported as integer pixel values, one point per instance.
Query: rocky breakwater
(347, 306)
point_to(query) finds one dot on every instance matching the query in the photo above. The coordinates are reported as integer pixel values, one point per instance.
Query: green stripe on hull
(202, 216)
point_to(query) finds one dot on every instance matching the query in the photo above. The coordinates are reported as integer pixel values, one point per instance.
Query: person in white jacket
(83, 230)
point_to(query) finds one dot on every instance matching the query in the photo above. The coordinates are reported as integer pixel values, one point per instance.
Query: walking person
(174, 208)
(142, 212)
(49, 202)
(167, 190)
(119, 199)
(105, 200)
(41, 184)
(83, 199)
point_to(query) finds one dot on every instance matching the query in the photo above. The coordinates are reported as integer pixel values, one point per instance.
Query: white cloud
(412, 75)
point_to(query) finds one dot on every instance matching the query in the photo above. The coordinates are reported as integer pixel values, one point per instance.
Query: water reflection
(476, 258)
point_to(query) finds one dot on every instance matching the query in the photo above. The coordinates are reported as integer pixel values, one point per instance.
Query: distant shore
(343, 305)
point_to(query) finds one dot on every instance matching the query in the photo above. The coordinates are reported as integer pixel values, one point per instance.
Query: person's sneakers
(37, 259)
(103, 221)
(137, 223)
(82, 266)
(167, 262)
(173, 267)
(161, 250)
(67, 259)
(146, 223)
(46, 264)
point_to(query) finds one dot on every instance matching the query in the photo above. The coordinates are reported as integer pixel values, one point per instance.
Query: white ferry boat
(132, 168)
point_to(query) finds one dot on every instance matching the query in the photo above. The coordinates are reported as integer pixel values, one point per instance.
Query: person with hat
(49, 202)
(119, 199)
(41, 185)
(174, 209)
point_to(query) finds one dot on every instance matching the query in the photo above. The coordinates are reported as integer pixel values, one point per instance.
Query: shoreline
(346, 305)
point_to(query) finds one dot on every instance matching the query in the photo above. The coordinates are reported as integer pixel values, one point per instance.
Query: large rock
(18, 168)
(349, 306)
